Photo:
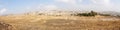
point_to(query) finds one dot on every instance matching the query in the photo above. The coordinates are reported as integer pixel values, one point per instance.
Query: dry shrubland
(44, 22)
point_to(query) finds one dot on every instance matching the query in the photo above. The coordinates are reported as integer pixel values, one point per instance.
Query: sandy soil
(41, 22)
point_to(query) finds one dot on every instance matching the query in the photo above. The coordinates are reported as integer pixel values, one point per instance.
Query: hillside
(46, 22)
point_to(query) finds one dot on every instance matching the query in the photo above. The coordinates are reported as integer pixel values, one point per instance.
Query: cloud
(67, 1)
(94, 2)
(80, 0)
(50, 7)
(102, 2)
(3, 10)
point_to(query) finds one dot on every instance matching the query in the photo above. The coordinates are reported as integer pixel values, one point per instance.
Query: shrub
(118, 15)
(105, 15)
(92, 13)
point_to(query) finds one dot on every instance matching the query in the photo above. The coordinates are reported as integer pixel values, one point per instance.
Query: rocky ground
(4, 26)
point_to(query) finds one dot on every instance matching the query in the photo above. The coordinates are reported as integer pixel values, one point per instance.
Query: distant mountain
(59, 12)
(113, 13)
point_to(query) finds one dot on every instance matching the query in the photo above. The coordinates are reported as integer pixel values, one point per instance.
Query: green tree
(92, 13)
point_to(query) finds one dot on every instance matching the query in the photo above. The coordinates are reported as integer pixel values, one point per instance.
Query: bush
(105, 15)
(92, 13)
(118, 15)
(82, 14)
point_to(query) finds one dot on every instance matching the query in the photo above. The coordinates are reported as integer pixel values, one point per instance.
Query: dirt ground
(34, 22)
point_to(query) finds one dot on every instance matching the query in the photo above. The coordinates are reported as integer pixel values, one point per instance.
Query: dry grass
(41, 22)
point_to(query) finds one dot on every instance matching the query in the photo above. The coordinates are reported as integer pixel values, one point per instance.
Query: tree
(92, 13)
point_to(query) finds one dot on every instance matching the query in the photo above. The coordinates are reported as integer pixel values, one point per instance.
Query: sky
(21, 6)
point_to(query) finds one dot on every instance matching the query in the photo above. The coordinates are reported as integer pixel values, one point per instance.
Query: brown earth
(41, 22)
(4, 26)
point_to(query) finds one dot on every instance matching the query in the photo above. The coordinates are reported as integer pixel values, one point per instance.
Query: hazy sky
(18, 6)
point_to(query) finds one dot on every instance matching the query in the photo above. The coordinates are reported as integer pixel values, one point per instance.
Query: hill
(64, 22)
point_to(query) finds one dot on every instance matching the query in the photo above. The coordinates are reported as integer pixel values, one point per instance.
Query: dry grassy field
(43, 22)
